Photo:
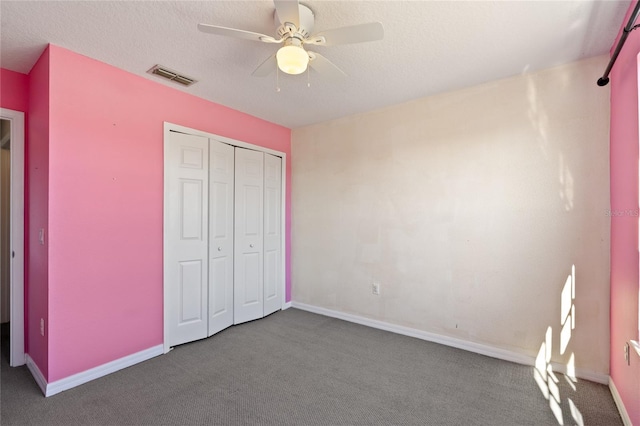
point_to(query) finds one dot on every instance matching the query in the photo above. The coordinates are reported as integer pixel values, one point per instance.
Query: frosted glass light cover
(292, 59)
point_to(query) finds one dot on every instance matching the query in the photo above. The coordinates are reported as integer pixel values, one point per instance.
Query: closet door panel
(248, 251)
(221, 210)
(272, 234)
(186, 235)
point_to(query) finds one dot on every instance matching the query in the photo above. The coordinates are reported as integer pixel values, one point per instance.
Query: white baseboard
(287, 305)
(618, 400)
(93, 373)
(478, 348)
(36, 373)
(603, 379)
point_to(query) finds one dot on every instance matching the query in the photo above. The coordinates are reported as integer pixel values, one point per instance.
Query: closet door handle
(251, 245)
(219, 248)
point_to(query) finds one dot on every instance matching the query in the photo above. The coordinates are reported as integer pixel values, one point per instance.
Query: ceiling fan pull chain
(277, 79)
(308, 82)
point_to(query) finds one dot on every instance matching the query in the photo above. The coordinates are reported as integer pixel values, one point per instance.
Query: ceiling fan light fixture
(292, 59)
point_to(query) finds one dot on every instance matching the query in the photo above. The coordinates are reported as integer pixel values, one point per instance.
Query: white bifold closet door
(257, 235)
(249, 280)
(186, 238)
(221, 171)
(223, 236)
(272, 245)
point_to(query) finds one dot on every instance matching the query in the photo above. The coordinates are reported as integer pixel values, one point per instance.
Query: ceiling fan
(295, 25)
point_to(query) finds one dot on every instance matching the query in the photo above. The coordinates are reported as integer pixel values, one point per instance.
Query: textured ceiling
(429, 46)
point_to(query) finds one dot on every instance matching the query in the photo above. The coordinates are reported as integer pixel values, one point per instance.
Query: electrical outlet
(41, 236)
(375, 288)
(42, 326)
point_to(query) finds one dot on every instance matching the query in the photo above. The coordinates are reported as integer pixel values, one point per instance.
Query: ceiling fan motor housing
(288, 29)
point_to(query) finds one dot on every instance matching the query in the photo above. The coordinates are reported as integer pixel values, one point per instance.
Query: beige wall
(469, 208)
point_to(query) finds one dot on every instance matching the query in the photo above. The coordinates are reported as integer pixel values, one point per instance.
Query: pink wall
(624, 229)
(37, 171)
(14, 93)
(106, 202)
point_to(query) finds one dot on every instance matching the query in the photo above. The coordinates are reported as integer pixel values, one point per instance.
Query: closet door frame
(168, 127)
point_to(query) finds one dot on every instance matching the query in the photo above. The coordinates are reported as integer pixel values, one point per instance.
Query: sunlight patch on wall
(543, 374)
(570, 375)
(545, 377)
(568, 310)
(542, 362)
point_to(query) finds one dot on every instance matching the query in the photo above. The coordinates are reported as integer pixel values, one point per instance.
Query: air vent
(165, 72)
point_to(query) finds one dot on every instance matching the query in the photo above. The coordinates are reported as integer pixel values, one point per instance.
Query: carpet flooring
(299, 368)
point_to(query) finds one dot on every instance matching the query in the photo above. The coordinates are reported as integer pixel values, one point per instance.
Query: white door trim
(17, 357)
(168, 127)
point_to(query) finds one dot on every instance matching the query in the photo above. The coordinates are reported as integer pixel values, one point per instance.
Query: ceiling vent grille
(165, 72)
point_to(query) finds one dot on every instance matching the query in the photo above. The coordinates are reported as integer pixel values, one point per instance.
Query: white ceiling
(429, 46)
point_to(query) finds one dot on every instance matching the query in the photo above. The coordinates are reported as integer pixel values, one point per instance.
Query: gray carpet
(298, 368)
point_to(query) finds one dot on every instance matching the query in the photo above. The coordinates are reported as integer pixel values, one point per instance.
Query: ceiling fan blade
(266, 68)
(232, 32)
(288, 11)
(325, 66)
(346, 35)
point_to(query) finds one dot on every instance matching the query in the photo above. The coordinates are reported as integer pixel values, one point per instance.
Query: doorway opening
(12, 329)
(5, 277)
